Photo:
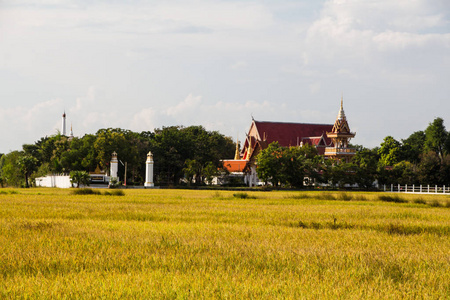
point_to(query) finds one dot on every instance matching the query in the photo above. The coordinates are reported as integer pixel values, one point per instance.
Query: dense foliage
(422, 158)
(177, 151)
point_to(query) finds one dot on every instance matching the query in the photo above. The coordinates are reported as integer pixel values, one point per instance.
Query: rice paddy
(190, 244)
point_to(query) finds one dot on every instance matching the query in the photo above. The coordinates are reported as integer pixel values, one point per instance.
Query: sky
(141, 65)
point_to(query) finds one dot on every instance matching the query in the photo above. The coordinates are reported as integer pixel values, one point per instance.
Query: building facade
(330, 140)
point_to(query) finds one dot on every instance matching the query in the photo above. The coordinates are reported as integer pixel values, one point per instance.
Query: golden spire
(249, 148)
(237, 156)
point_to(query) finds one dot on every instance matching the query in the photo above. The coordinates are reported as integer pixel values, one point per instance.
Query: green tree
(366, 165)
(389, 151)
(11, 172)
(210, 171)
(170, 150)
(436, 138)
(429, 168)
(405, 172)
(269, 165)
(79, 178)
(293, 164)
(192, 167)
(413, 147)
(28, 165)
(180, 151)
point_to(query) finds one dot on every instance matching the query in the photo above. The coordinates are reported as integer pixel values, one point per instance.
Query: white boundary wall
(59, 181)
(417, 189)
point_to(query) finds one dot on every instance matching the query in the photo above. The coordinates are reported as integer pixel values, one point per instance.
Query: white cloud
(189, 104)
(84, 102)
(131, 64)
(144, 120)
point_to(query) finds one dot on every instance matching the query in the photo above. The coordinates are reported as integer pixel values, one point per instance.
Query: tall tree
(413, 147)
(10, 168)
(436, 137)
(365, 162)
(269, 165)
(389, 151)
(27, 164)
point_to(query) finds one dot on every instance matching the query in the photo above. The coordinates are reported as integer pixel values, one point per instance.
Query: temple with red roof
(330, 140)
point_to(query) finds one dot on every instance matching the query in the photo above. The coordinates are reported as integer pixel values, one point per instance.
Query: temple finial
(341, 114)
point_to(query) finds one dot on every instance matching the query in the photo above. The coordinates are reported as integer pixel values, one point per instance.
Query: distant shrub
(389, 198)
(117, 193)
(302, 224)
(345, 197)
(298, 196)
(315, 225)
(216, 195)
(419, 201)
(85, 191)
(436, 203)
(3, 193)
(325, 196)
(396, 229)
(243, 196)
(360, 197)
(89, 191)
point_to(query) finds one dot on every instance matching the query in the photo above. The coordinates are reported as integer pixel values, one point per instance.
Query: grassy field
(185, 244)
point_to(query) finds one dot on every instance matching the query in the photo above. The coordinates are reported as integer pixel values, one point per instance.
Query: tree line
(180, 152)
(193, 154)
(422, 158)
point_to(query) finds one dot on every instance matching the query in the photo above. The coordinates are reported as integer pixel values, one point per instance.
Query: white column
(149, 170)
(114, 166)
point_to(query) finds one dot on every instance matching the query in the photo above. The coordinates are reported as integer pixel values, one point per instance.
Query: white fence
(417, 189)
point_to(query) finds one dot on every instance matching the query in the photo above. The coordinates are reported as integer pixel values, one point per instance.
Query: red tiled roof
(314, 141)
(234, 165)
(291, 134)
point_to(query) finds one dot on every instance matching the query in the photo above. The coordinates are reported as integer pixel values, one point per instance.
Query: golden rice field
(188, 244)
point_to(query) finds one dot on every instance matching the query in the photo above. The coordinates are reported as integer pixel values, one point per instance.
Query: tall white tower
(63, 126)
(114, 167)
(149, 170)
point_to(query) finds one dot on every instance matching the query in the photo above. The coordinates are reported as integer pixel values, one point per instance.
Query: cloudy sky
(141, 65)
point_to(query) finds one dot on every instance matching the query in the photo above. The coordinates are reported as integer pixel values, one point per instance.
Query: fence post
(428, 188)
(398, 188)
(435, 188)
(392, 187)
(421, 189)
(443, 189)
(384, 187)
(413, 187)
(406, 188)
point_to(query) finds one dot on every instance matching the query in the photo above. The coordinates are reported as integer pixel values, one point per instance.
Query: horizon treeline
(194, 154)
(177, 150)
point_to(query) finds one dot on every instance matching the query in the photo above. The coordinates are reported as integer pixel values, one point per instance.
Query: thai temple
(330, 140)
